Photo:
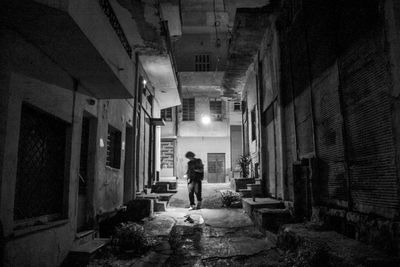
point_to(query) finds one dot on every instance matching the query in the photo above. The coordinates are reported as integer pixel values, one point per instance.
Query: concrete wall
(250, 97)
(197, 128)
(48, 244)
(201, 146)
(190, 45)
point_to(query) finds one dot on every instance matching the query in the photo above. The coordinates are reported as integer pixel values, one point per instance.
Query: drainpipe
(135, 129)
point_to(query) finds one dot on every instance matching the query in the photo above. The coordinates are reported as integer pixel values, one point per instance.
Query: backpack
(198, 169)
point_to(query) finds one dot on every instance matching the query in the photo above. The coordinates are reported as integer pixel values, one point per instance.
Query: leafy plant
(230, 198)
(244, 162)
(130, 237)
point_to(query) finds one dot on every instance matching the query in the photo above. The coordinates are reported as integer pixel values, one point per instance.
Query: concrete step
(241, 183)
(164, 187)
(139, 208)
(160, 206)
(159, 196)
(256, 190)
(81, 255)
(271, 220)
(250, 204)
(245, 192)
(329, 247)
(84, 237)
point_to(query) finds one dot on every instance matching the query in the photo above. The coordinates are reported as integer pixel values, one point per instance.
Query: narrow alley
(199, 133)
(217, 236)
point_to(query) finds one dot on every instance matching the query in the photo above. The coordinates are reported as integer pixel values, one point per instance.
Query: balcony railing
(108, 10)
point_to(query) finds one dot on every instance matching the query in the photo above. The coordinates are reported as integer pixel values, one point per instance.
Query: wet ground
(211, 236)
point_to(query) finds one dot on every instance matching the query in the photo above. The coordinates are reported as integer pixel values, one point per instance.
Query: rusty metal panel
(329, 137)
(368, 120)
(289, 151)
(304, 124)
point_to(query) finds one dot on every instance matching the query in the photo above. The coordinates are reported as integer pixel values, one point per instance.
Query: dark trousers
(194, 187)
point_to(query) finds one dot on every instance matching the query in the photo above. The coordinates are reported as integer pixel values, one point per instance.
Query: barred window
(166, 114)
(39, 189)
(236, 106)
(113, 148)
(216, 109)
(202, 62)
(188, 109)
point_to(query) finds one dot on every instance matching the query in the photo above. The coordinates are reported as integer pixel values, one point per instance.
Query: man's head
(189, 155)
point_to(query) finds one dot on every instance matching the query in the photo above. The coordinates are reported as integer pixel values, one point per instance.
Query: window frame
(188, 109)
(215, 105)
(166, 114)
(114, 148)
(58, 126)
(202, 62)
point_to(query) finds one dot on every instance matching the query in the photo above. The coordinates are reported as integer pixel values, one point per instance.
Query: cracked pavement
(217, 237)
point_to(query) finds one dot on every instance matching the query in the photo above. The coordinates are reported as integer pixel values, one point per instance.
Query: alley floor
(212, 236)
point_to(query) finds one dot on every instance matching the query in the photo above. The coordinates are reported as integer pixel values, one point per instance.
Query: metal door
(216, 167)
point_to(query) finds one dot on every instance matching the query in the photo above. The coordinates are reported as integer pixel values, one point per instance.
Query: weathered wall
(336, 85)
(190, 45)
(250, 96)
(197, 128)
(34, 83)
(201, 146)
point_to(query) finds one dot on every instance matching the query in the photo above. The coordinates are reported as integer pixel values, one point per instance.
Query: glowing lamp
(205, 119)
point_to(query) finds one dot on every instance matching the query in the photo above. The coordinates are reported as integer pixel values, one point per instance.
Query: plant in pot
(244, 162)
(130, 237)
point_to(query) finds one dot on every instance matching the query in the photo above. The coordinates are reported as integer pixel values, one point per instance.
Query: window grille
(202, 62)
(236, 106)
(216, 109)
(113, 148)
(39, 189)
(166, 114)
(188, 109)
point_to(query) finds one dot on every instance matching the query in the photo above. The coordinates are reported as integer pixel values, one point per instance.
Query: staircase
(267, 214)
(85, 246)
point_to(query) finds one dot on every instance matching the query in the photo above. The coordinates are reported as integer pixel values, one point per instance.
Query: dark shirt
(195, 170)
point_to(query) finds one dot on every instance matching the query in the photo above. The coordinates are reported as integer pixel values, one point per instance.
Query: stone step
(256, 190)
(245, 192)
(164, 187)
(81, 255)
(250, 204)
(241, 183)
(271, 220)
(160, 206)
(257, 181)
(84, 237)
(329, 246)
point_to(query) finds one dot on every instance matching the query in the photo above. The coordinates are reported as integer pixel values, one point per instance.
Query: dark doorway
(129, 182)
(216, 167)
(86, 173)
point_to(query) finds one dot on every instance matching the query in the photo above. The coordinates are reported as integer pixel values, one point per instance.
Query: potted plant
(130, 237)
(244, 162)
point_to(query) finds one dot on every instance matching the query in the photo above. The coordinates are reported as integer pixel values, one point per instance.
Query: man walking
(195, 174)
